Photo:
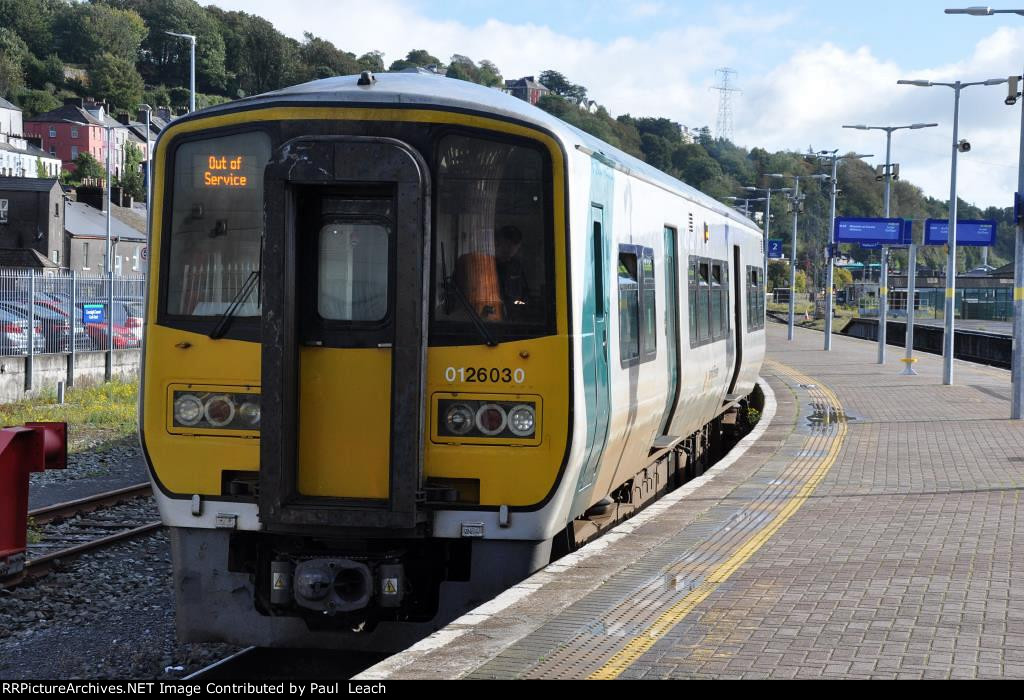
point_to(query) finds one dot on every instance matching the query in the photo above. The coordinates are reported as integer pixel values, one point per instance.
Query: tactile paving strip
(641, 606)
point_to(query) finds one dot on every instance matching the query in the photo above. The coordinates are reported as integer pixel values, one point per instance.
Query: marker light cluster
(487, 419)
(215, 410)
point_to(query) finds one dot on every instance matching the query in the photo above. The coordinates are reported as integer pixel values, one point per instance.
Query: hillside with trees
(118, 50)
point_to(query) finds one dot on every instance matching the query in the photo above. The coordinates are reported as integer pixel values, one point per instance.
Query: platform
(870, 526)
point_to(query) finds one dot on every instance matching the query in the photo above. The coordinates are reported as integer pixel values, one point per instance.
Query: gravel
(107, 615)
(101, 467)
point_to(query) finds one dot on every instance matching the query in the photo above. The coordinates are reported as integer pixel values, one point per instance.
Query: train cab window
(629, 310)
(216, 223)
(493, 247)
(352, 280)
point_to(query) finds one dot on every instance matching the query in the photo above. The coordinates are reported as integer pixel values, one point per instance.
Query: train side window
(755, 298)
(629, 310)
(703, 301)
(692, 285)
(716, 301)
(649, 337)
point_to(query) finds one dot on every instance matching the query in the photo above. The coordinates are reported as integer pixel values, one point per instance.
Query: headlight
(216, 410)
(250, 413)
(491, 419)
(459, 419)
(487, 418)
(521, 420)
(219, 410)
(188, 409)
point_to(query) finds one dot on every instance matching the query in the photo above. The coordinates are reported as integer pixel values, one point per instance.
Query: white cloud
(800, 102)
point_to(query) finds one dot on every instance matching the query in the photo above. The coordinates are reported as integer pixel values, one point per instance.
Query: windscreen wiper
(224, 322)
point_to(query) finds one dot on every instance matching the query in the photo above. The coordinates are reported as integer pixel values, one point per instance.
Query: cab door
(344, 334)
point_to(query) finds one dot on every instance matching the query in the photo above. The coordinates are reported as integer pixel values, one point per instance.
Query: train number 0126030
(493, 375)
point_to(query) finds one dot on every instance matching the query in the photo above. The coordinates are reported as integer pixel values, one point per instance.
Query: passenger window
(703, 302)
(650, 326)
(692, 284)
(716, 301)
(629, 310)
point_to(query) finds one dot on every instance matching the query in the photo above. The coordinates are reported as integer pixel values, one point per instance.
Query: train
(409, 338)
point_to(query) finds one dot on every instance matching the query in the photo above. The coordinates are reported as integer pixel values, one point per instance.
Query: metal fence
(68, 313)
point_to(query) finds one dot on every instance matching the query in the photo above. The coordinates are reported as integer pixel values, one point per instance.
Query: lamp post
(796, 198)
(149, 168)
(834, 158)
(768, 217)
(1017, 355)
(192, 73)
(947, 336)
(883, 296)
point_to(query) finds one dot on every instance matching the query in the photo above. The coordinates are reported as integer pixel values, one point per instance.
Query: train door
(672, 353)
(344, 334)
(595, 347)
(739, 281)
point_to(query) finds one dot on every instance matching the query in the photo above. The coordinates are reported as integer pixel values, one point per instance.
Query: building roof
(66, 113)
(24, 257)
(27, 184)
(29, 150)
(83, 221)
(4, 104)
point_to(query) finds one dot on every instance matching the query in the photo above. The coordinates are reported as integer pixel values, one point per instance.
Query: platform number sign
(774, 248)
(93, 313)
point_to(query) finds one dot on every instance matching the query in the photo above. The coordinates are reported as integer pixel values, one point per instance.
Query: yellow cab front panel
(343, 266)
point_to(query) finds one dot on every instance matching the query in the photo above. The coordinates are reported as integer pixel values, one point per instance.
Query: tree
(372, 61)
(13, 53)
(87, 167)
(131, 177)
(842, 278)
(33, 102)
(116, 80)
(801, 281)
(463, 68)
(90, 29)
(417, 58)
(323, 59)
(778, 274)
(32, 20)
(560, 85)
(40, 168)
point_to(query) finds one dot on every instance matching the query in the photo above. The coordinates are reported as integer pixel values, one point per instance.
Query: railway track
(262, 664)
(73, 528)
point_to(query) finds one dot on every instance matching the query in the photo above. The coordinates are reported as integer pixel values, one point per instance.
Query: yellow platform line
(639, 645)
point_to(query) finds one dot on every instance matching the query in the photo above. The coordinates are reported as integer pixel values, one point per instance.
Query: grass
(94, 414)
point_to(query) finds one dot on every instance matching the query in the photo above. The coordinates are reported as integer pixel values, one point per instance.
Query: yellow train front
(363, 372)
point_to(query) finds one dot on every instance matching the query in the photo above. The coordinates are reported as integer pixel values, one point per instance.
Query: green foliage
(13, 54)
(372, 61)
(116, 79)
(322, 59)
(96, 28)
(842, 278)
(40, 168)
(463, 68)
(32, 20)
(778, 274)
(131, 178)
(801, 281)
(560, 85)
(417, 58)
(86, 167)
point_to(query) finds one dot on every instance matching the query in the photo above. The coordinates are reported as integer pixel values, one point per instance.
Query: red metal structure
(32, 448)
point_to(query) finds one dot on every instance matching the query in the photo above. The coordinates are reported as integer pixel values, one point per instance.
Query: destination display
(234, 171)
(861, 230)
(968, 232)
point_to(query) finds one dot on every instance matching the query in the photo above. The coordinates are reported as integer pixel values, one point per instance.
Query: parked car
(55, 328)
(14, 335)
(127, 325)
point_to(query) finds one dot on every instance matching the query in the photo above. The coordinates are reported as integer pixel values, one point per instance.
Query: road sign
(976, 233)
(774, 248)
(93, 313)
(849, 229)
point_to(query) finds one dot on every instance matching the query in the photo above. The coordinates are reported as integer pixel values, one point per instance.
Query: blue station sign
(774, 248)
(93, 313)
(975, 233)
(850, 229)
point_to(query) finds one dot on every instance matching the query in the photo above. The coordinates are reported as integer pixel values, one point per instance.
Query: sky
(804, 67)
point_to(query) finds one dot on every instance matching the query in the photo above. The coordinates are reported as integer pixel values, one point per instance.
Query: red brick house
(68, 131)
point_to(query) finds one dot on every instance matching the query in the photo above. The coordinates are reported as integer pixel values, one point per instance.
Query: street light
(834, 157)
(947, 336)
(883, 295)
(149, 170)
(1017, 356)
(796, 199)
(192, 79)
(746, 203)
(768, 217)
